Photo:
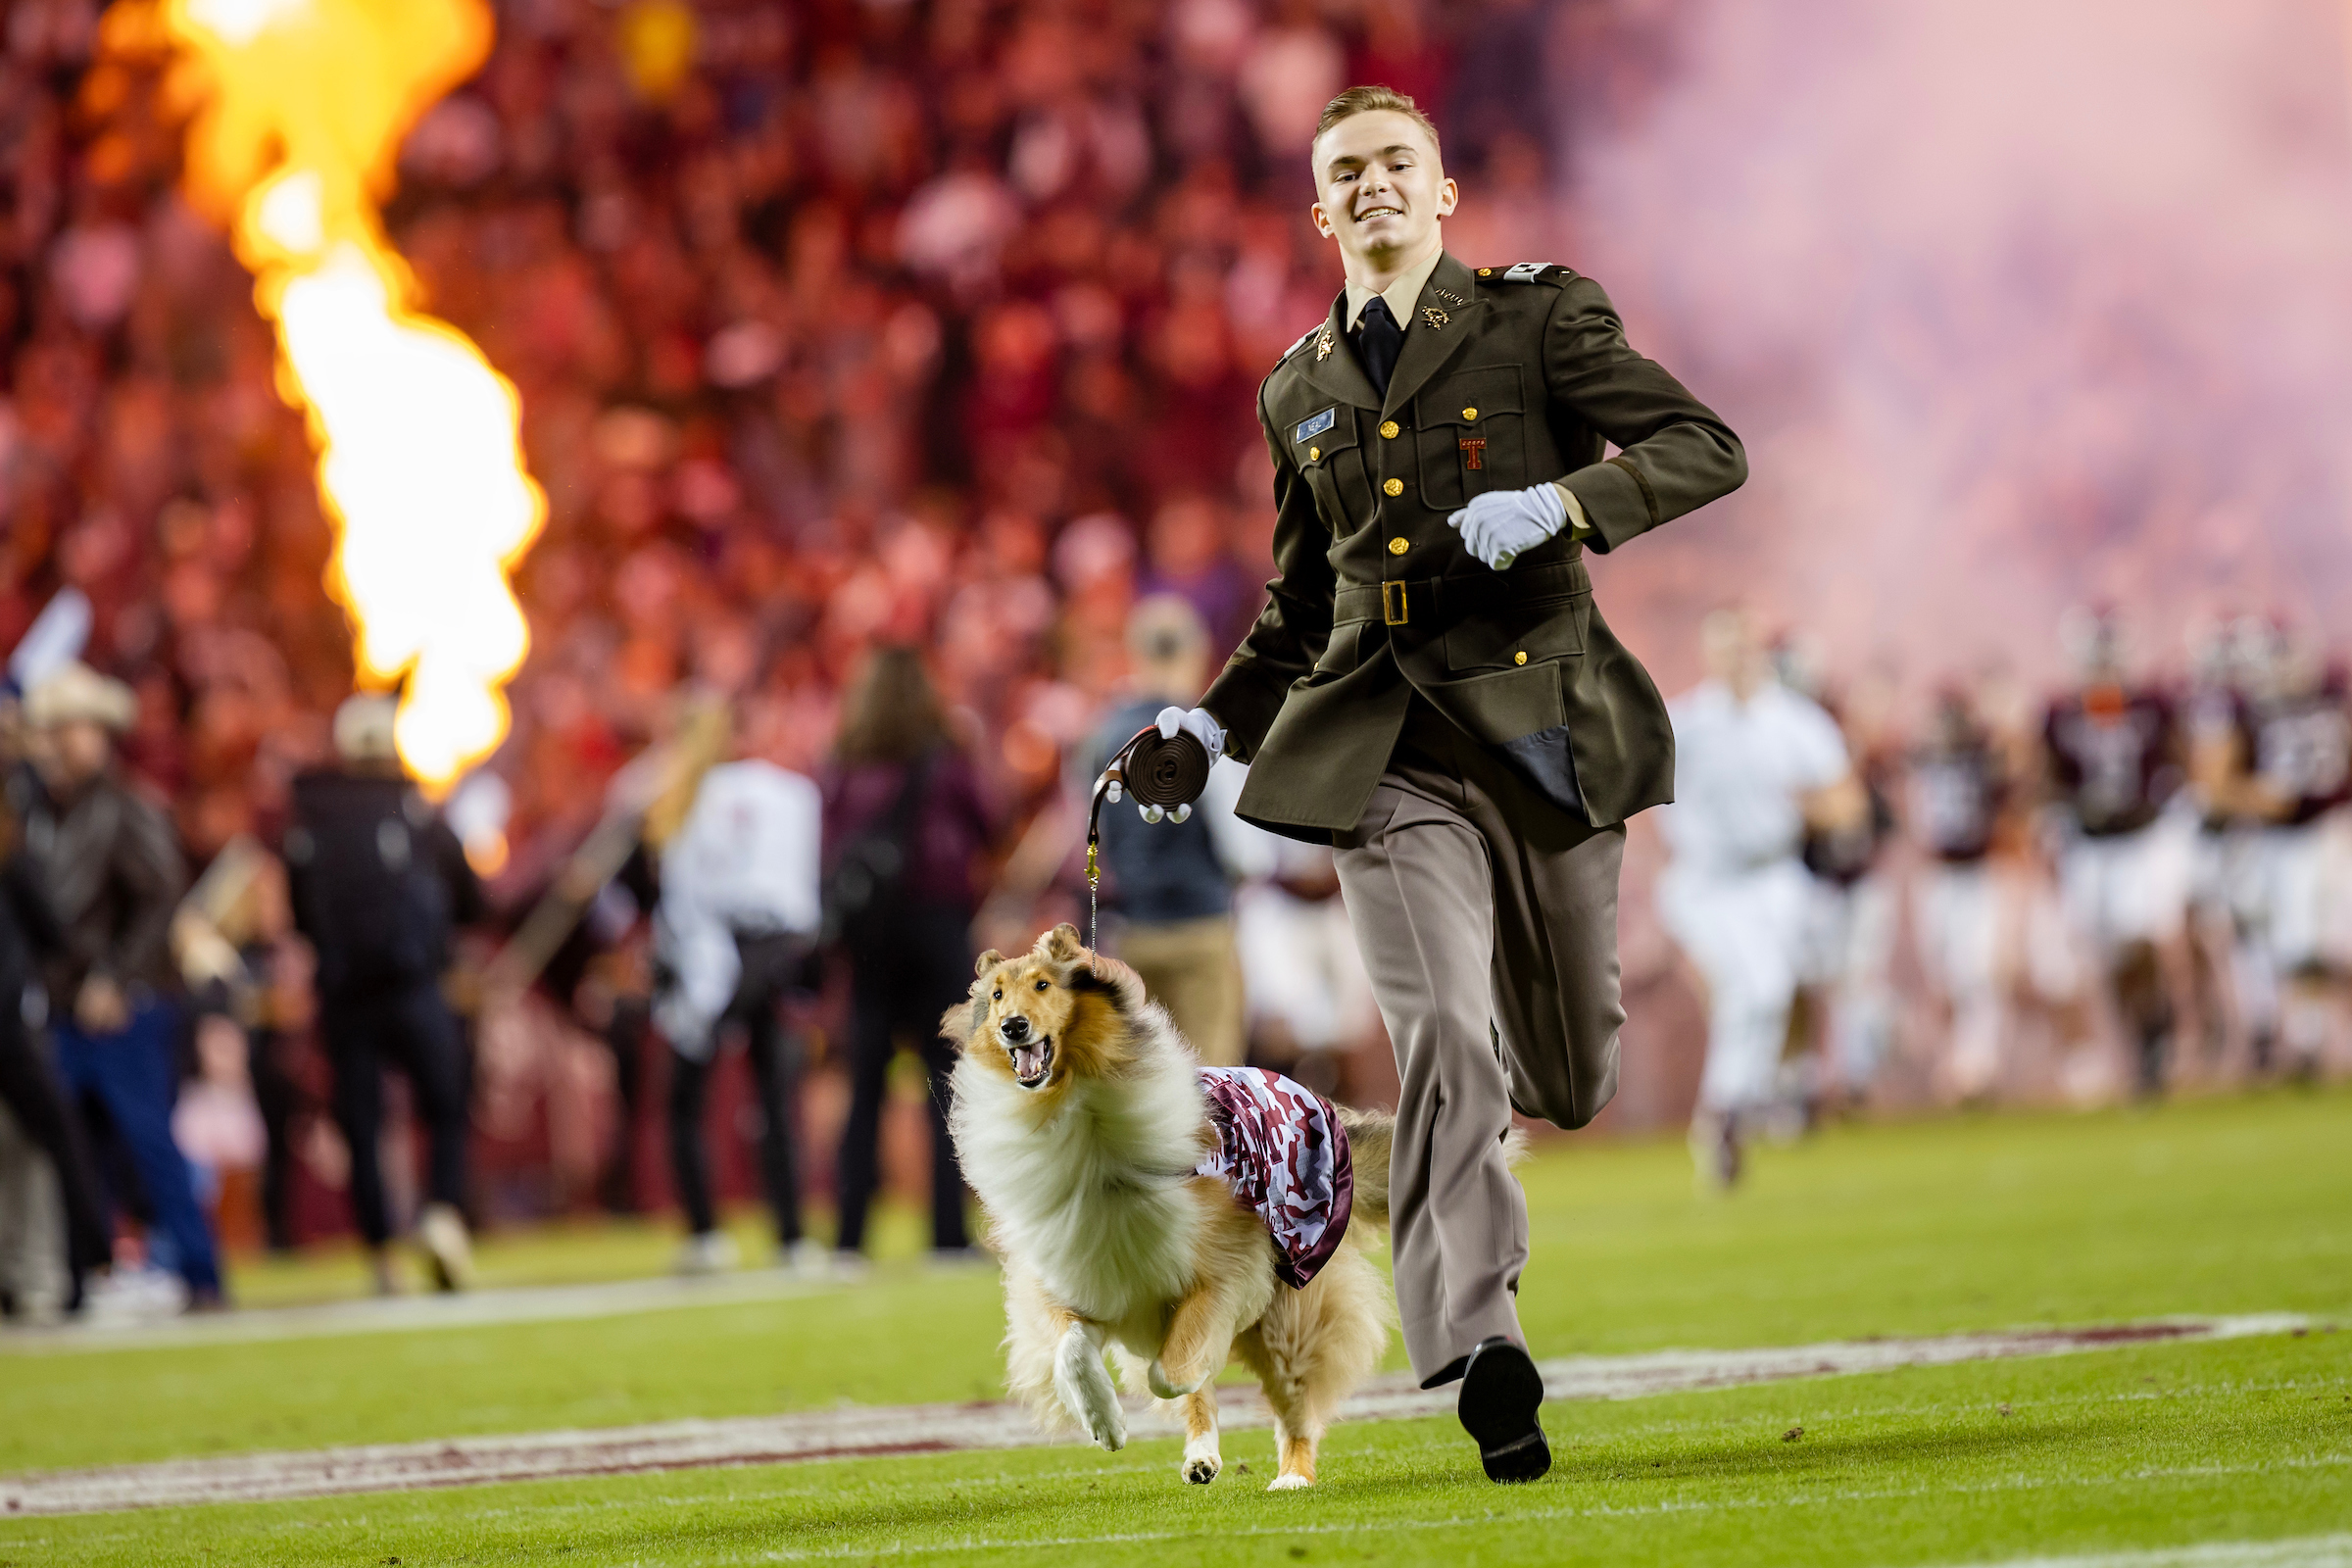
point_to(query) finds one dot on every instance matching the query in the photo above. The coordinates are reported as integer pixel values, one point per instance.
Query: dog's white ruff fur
(1080, 1191)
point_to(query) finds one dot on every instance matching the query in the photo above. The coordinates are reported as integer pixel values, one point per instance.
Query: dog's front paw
(1202, 1461)
(1293, 1482)
(1165, 1386)
(1084, 1383)
(1108, 1429)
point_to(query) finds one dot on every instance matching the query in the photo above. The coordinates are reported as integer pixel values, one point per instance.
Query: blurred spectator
(1310, 1001)
(1958, 787)
(114, 876)
(1850, 936)
(739, 915)
(1169, 885)
(597, 971)
(1755, 765)
(47, 1162)
(379, 883)
(236, 1114)
(905, 827)
(1188, 557)
(2115, 759)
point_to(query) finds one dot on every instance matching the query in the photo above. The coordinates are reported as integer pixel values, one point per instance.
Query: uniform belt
(1402, 601)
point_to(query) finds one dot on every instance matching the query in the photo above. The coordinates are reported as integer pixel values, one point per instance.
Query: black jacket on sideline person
(379, 881)
(32, 935)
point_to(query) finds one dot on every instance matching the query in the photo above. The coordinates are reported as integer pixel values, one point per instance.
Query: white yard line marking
(2298, 1552)
(545, 1304)
(942, 1427)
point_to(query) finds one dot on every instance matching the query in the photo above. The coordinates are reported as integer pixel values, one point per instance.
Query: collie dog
(1083, 1121)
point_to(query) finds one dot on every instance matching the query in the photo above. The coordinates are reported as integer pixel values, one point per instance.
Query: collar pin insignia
(1323, 344)
(1433, 316)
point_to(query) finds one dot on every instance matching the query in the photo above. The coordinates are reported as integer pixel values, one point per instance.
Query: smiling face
(1043, 1017)
(1383, 188)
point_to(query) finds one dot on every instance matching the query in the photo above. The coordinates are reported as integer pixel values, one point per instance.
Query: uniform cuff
(1578, 528)
(1613, 501)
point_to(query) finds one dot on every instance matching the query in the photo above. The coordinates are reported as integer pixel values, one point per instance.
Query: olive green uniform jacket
(1507, 378)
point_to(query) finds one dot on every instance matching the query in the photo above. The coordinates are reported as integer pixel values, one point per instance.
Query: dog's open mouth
(1032, 1060)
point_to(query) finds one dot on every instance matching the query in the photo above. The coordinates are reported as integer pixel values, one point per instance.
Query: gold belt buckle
(1393, 609)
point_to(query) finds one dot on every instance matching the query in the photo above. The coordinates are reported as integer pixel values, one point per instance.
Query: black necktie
(1378, 339)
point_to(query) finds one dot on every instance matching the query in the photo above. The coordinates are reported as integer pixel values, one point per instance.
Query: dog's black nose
(1016, 1027)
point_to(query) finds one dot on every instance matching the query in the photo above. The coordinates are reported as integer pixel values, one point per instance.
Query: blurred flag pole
(649, 799)
(54, 639)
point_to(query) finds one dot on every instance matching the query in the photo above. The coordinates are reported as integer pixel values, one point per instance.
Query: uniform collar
(1403, 294)
(1438, 326)
(1436, 319)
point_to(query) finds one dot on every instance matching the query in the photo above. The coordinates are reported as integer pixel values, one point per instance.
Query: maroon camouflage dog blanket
(1281, 1149)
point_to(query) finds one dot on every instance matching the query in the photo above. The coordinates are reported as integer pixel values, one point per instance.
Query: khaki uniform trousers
(1192, 968)
(1488, 920)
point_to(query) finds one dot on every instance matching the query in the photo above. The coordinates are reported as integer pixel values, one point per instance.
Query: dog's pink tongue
(1029, 1060)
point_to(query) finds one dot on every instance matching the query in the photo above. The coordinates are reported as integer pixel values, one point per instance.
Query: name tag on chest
(1318, 424)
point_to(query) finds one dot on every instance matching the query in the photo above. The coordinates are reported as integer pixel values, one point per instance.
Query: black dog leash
(1166, 775)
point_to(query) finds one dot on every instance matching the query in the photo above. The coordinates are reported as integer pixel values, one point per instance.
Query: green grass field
(2228, 1205)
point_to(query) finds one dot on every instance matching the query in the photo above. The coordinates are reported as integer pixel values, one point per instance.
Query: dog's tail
(1371, 1135)
(1371, 1139)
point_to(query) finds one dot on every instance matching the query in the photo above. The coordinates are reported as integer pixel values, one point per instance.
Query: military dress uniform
(1470, 741)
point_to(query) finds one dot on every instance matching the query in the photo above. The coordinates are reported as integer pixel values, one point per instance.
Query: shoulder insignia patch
(1533, 273)
(1304, 339)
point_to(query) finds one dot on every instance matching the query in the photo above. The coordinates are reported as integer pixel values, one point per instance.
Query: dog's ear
(960, 1024)
(1061, 944)
(986, 961)
(1122, 982)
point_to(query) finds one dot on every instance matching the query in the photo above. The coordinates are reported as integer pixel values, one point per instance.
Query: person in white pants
(1754, 762)
(1957, 790)
(2115, 763)
(2300, 782)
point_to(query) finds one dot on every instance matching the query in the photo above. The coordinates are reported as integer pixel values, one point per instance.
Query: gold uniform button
(1315, 454)
(1469, 414)
(1519, 659)
(1486, 272)
(1394, 487)
(1389, 429)
(1398, 547)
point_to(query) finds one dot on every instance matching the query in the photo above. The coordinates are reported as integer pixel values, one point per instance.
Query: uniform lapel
(1338, 373)
(1443, 323)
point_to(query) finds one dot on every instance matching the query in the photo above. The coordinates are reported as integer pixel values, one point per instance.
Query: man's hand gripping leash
(1166, 766)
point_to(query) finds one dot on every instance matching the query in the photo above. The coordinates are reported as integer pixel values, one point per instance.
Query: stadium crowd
(894, 350)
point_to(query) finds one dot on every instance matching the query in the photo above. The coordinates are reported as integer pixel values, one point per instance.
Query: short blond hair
(1369, 99)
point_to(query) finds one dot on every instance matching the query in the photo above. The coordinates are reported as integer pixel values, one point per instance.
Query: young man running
(1431, 690)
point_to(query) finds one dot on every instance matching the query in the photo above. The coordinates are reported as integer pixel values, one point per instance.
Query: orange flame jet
(306, 103)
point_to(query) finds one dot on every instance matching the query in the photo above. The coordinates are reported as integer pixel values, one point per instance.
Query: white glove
(1195, 723)
(1502, 525)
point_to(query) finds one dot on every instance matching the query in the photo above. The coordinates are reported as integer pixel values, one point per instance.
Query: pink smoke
(2017, 304)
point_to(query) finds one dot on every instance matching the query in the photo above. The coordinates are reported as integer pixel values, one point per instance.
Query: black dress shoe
(1501, 1390)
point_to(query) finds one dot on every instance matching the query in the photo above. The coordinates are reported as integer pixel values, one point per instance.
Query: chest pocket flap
(1469, 434)
(1334, 467)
